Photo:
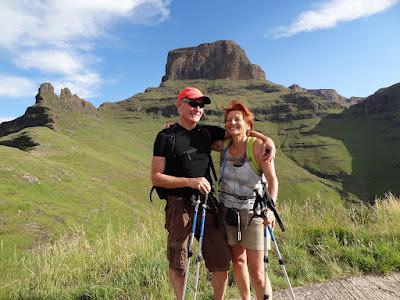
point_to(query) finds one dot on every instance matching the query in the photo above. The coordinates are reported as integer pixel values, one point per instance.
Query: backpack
(170, 145)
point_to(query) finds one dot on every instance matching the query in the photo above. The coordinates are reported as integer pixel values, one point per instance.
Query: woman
(243, 168)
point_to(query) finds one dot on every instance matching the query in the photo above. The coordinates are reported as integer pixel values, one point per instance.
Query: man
(184, 175)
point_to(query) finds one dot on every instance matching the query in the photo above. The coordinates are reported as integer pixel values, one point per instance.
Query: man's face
(191, 110)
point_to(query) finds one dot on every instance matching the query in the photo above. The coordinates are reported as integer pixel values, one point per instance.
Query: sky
(107, 51)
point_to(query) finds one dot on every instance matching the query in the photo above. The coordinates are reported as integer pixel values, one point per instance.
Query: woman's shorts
(252, 236)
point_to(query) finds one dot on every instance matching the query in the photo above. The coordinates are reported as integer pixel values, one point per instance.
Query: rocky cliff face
(65, 102)
(297, 88)
(385, 100)
(355, 100)
(218, 60)
(330, 95)
(44, 112)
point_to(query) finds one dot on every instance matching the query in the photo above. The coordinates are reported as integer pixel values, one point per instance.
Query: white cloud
(60, 22)
(84, 85)
(331, 13)
(15, 86)
(53, 61)
(58, 37)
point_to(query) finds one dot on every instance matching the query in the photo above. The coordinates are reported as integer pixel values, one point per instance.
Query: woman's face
(235, 123)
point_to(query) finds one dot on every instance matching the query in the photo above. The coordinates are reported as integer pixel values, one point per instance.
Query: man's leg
(217, 255)
(219, 282)
(177, 281)
(178, 218)
(240, 271)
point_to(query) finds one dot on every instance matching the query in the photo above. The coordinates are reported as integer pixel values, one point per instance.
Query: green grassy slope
(96, 167)
(89, 171)
(371, 143)
(92, 175)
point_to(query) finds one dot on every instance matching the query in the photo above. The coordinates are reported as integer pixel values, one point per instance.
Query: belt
(238, 196)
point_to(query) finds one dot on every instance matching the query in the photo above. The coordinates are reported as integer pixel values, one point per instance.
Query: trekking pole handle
(195, 213)
(267, 202)
(271, 206)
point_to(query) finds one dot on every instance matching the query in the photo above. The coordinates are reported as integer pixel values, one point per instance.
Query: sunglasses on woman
(193, 103)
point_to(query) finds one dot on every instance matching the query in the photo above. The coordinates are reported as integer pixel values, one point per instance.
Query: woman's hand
(269, 218)
(169, 124)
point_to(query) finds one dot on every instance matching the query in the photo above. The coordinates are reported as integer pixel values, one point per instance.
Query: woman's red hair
(239, 106)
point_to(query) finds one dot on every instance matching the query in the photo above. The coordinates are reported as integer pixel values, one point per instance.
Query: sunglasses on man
(194, 103)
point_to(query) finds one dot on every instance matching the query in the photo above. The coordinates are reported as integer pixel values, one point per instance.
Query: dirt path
(366, 287)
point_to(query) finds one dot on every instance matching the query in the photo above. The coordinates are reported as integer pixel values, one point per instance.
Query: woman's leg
(240, 271)
(269, 288)
(255, 262)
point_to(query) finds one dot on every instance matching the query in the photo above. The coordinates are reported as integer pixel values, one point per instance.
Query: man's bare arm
(160, 179)
(268, 145)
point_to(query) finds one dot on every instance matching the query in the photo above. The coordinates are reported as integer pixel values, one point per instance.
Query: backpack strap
(227, 143)
(222, 157)
(213, 168)
(250, 155)
(210, 160)
(170, 143)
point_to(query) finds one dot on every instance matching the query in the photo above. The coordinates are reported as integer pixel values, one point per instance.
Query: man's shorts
(178, 222)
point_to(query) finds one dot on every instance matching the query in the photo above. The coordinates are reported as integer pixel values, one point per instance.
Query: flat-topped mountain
(217, 60)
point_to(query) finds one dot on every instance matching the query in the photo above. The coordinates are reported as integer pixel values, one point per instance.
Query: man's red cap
(193, 93)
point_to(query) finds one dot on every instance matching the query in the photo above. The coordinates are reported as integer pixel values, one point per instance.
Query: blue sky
(110, 50)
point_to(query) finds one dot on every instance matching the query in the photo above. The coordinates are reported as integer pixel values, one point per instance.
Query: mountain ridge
(295, 116)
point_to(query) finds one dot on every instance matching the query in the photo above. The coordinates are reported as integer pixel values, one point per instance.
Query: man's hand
(201, 184)
(268, 150)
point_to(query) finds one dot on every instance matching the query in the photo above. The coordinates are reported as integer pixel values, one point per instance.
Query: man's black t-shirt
(190, 157)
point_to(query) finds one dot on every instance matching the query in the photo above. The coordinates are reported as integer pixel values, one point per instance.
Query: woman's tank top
(238, 181)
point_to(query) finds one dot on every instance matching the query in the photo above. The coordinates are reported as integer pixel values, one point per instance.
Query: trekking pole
(280, 259)
(191, 239)
(266, 295)
(200, 254)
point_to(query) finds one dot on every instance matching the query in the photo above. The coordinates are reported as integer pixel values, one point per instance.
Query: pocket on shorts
(176, 216)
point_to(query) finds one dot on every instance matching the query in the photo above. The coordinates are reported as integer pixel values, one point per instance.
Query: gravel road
(366, 287)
